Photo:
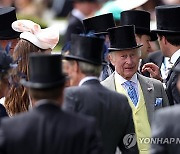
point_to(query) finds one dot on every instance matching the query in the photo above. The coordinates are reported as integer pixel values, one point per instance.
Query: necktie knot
(128, 83)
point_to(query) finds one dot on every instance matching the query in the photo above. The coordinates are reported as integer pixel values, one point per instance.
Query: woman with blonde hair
(33, 39)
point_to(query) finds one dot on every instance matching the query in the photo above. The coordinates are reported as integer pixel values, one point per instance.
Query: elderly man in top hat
(46, 129)
(166, 126)
(98, 25)
(111, 110)
(145, 95)
(169, 39)
(141, 20)
(8, 37)
(81, 10)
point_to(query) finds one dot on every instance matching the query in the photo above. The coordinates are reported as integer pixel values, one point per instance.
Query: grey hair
(90, 69)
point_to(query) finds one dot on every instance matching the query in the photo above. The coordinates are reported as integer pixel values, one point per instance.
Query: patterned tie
(131, 92)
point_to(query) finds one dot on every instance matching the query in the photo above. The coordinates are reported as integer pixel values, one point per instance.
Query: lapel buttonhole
(149, 89)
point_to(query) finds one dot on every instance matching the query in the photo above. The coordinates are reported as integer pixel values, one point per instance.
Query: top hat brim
(165, 31)
(35, 85)
(120, 49)
(100, 33)
(152, 35)
(80, 59)
(10, 34)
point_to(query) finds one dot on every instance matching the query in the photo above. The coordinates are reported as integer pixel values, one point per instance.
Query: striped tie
(131, 92)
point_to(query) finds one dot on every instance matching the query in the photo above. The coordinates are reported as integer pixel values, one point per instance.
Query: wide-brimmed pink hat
(43, 38)
(129, 4)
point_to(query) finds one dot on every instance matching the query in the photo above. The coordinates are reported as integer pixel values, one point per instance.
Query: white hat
(43, 38)
(129, 4)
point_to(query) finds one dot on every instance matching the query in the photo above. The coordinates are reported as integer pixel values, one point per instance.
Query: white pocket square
(158, 101)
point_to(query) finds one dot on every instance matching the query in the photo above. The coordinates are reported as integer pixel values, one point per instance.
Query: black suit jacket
(166, 127)
(75, 26)
(156, 58)
(48, 130)
(111, 110)
(171, 89)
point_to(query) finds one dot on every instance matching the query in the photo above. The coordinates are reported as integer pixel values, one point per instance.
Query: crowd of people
(106, 92)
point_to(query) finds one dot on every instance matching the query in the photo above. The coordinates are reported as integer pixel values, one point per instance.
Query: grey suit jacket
(151, 88)
(110, 109)
(166, 127)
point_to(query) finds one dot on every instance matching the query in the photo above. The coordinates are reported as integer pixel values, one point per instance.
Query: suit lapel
(110, 82)
(159, 60)
(170, 72)
(148, 92)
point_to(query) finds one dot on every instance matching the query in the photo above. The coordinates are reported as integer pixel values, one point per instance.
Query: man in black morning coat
(168, 30)
(111, 110)
(46, 129)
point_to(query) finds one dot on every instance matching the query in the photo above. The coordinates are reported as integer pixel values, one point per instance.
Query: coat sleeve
(95, 145)
(69, 103)
(174, 91)
(129, 135)
(165, 97)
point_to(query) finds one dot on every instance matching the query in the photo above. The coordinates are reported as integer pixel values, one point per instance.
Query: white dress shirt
(175, 57)
(134, 80)
(87, 79)
(78, 14)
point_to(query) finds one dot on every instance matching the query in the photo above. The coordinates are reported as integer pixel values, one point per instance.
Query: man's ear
(138, 39)
(111, 58)
(75, 66)
(164, 40)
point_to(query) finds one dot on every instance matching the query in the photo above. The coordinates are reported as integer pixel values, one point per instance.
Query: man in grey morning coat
(111, 110)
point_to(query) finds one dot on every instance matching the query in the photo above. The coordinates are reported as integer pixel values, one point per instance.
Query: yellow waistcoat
(140, 118)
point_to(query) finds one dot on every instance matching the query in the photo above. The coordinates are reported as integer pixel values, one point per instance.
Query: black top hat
(45, 71)
(122, 38)
(99, 24)
(87, 49)
(168, 17)
(7, 17)
(141, 20)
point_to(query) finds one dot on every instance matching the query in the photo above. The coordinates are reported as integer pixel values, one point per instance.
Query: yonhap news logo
(130, 140)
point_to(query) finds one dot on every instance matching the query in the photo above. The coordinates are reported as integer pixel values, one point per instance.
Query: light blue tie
(131, 92)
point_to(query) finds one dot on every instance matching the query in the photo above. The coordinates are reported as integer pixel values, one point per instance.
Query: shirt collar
(121, 80)
(44, 101)
(175, 56)
(87, 79)
(78, 14)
